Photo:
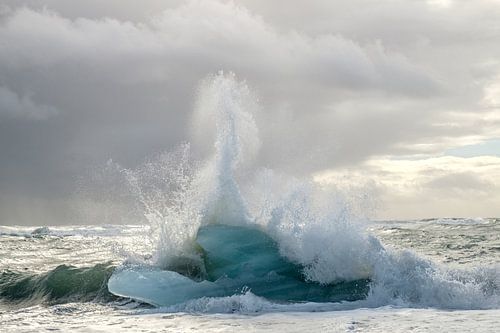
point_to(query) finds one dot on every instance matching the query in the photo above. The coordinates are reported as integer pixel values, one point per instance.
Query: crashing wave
(221, 232)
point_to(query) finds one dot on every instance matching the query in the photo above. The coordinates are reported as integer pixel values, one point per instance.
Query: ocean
(55, 279)
(223, 246)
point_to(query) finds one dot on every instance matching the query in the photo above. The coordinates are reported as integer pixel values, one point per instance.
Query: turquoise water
(232, 260)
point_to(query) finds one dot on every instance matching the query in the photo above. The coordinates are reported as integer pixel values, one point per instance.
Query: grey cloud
(13, 105)
(461, 182)
(338, 82)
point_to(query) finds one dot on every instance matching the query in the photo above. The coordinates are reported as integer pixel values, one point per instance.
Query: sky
(399, 97)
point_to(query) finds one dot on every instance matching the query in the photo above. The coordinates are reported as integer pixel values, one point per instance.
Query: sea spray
(312, 223)
(226, 102)
(165, 188)
(178, 194)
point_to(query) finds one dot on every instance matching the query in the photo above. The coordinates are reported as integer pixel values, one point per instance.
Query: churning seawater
(54, 279)
(223, 246)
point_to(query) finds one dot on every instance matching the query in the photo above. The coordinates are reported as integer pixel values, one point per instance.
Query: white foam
(248, 303)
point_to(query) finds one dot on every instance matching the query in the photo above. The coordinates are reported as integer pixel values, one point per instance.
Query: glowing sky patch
(437, 186)
(488, 148)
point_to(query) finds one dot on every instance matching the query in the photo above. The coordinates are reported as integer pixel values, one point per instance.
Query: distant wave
(71, 230)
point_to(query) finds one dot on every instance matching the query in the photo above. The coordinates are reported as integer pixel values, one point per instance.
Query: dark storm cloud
(338, 81)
